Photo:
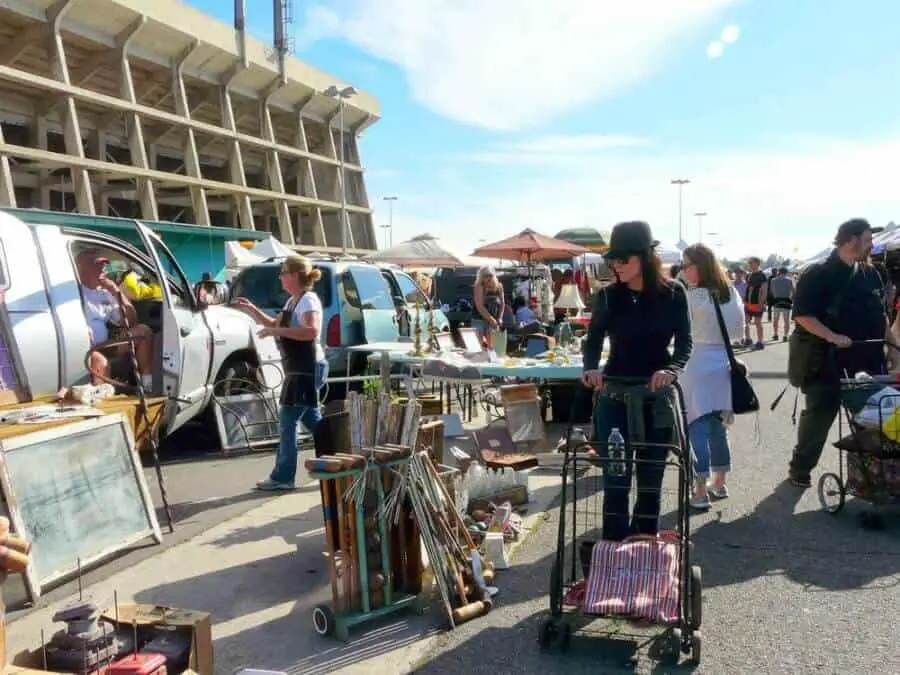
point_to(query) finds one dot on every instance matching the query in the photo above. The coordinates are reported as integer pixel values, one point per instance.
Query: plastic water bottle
(616, 446)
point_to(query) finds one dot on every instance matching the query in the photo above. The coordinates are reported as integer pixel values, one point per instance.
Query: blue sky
(505, 114)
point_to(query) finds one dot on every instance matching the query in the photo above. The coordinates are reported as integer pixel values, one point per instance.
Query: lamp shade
(569, 298)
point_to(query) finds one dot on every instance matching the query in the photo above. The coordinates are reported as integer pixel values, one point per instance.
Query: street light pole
(700, 215)
(342, 95)
(680, 182)
(386, 229)
(390, 201)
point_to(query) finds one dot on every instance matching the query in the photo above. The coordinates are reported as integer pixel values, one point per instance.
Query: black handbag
(743, 397)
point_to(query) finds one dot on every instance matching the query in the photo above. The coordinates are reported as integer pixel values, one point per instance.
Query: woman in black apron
(297, 329)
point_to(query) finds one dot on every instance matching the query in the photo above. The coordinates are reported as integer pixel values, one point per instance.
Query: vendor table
(127, 405)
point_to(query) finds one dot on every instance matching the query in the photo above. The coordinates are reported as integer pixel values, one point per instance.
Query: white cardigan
(706, 382)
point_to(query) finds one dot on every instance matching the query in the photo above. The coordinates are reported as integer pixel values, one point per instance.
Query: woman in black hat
(641, 314)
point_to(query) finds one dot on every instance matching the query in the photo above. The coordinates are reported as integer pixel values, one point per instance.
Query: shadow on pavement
(811, 548)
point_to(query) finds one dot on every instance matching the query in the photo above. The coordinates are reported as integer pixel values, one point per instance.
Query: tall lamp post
(680, 182)
(386, 229)
(700, 215)
(390, 201)
(342, 95)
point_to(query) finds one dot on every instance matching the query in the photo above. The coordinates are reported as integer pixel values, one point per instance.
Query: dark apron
(299, 361)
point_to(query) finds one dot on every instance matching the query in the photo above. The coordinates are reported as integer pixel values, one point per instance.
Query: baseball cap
(94, 256)
(852, 228)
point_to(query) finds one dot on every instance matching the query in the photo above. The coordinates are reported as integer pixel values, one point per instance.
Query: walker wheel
(696, 647)
(696, 597)
(323, 620)
(554, 634)
(832, 493)
(672, 652)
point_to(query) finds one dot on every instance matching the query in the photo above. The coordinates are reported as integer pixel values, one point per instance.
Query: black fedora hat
(628, 239)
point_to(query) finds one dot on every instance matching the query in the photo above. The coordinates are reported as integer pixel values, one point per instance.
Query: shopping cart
(588, 573)
(868, 460)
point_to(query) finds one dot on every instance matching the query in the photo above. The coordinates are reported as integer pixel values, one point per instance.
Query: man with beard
(838, 306)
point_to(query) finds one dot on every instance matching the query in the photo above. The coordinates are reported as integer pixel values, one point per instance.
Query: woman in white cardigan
(706, 381)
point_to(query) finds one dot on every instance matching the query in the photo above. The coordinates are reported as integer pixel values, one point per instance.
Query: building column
(7, 187)
(97, 149)
(191, 157)
(242, 206)
(370, 232)
(146, 192)
(306, 178)
(81, 181)
(273, 164)
(339, 183)
(41, 141)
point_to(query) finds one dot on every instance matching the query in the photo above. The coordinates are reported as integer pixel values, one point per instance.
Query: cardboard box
(198, 624)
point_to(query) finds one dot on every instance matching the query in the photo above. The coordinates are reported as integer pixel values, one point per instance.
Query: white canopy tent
(272, 248)
(236, 256)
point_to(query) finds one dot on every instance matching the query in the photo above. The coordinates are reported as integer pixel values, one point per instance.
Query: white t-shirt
(308, 303)
(100, 307)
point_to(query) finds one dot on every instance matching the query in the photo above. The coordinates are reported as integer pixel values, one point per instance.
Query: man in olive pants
(839, 313)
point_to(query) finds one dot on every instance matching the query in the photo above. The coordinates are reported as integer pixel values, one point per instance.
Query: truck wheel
(237, 376)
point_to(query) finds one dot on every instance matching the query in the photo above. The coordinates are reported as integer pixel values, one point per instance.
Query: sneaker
(700, 503)
(759, 346)
(720, 492)
(800, 481)
(747, 342)
(775, 337)
(784, 339)
(269, 485)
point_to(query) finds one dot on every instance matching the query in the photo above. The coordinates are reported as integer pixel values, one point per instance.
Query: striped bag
(635, 578)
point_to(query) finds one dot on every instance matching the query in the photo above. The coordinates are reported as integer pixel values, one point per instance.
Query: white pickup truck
(196, 348)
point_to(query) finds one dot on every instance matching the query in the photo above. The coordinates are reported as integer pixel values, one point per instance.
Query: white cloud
(730, 34)
(555, 148)
(758, 201)
(510, 64)
(715, 49)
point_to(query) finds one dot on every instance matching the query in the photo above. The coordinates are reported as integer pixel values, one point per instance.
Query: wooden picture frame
(36, 472)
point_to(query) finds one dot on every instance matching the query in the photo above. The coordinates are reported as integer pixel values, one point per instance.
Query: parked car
(357, 304)
(196, 346)
(406, 293)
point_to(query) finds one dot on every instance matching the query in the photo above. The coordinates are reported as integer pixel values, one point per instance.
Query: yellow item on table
(135, 289)
(890, 426)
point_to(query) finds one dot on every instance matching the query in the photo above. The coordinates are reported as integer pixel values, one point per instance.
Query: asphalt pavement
(787, 588)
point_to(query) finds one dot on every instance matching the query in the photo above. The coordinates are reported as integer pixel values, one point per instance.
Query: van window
(364, 287)
(261, 285)
(410, 291)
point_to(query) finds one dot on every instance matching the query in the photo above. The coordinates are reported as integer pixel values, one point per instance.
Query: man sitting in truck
(107, 309)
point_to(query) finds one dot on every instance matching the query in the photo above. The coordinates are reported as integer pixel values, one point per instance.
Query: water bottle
(616, 447)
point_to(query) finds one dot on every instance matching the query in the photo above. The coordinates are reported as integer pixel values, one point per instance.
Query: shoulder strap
(725, 337)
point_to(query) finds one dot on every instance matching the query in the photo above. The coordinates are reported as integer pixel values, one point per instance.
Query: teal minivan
(360, 304)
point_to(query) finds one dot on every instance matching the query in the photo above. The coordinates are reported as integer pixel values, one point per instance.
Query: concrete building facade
(150, 109)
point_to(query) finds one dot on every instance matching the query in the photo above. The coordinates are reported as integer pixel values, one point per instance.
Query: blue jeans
(709, 441)
(285, 470)
(648, 467)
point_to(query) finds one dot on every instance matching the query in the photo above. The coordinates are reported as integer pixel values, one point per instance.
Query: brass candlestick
(417, 333)
(432, 334)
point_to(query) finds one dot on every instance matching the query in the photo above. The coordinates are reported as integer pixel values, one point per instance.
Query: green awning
(107, 223)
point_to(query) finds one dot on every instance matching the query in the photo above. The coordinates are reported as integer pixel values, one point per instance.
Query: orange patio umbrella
(528, 246)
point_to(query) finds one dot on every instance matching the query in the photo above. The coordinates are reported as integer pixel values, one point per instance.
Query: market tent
(272, 248)
(528, 245)
(586, 236)
(421, 251)
(237, 256)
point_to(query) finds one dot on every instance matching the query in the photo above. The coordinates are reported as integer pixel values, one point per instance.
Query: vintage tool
(86, 644)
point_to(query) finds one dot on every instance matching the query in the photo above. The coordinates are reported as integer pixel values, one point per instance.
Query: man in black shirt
(755, 301)
(838, 304)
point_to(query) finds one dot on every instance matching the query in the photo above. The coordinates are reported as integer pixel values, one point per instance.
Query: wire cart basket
(581, 573)
(868, 458)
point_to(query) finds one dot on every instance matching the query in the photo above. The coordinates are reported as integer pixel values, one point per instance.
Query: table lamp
(569, 299)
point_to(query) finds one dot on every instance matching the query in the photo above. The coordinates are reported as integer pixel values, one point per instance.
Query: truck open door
(187, 351)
